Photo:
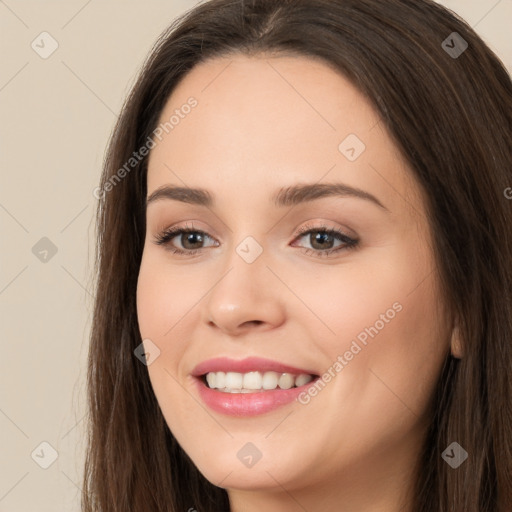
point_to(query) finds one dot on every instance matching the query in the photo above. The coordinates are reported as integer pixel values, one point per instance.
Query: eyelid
(320, 226)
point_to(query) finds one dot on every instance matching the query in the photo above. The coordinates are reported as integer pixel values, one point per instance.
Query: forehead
(262, 123)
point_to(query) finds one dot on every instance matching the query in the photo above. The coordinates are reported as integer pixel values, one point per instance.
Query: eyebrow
(287, 196)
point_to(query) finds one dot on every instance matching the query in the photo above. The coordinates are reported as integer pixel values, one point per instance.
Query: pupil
(322, 237)
(190, 236)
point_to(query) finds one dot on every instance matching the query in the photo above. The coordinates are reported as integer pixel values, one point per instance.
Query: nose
(246, 297)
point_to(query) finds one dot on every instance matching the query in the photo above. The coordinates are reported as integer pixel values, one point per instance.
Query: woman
(232, 367)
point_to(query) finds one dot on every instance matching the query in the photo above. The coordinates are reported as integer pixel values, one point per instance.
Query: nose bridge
(243, 292)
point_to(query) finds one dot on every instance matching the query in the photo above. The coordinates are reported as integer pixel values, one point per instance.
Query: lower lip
(248, 404)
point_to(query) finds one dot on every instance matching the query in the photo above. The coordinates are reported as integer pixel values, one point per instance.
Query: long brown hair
(450, 115)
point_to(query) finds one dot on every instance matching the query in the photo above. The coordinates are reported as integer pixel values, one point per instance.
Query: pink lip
(250, 364)
(246, 404)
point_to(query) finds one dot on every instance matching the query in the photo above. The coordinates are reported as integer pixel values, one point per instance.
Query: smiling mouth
(255, 381)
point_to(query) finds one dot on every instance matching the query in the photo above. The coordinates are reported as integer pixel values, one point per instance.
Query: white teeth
(286, 381)
(252, 380)
(270, 380)
(211, 378)
(220, 380)
(233, 382)
(303, 379)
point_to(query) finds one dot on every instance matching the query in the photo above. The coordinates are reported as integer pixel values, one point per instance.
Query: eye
(190, 238)
(323, 239)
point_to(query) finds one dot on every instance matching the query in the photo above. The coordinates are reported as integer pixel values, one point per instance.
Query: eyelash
(167, 235)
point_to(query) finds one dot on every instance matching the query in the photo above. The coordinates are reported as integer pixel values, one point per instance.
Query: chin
(234, 469)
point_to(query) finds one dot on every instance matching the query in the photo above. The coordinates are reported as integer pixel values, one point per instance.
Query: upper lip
(249, 364)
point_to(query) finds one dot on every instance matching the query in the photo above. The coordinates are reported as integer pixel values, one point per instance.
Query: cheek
(154, 301)
(163, 300)
(161, 313)
(408, 359)
(385, 319)
(164, 297)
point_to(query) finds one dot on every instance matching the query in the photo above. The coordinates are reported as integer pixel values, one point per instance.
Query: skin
(263, 123)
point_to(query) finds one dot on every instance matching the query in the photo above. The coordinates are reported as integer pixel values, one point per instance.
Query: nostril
(254, 322)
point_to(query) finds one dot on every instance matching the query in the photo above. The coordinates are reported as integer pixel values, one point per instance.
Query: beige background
(56, 115)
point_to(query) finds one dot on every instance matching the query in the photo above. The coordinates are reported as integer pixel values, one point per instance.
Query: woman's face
(364, 320)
